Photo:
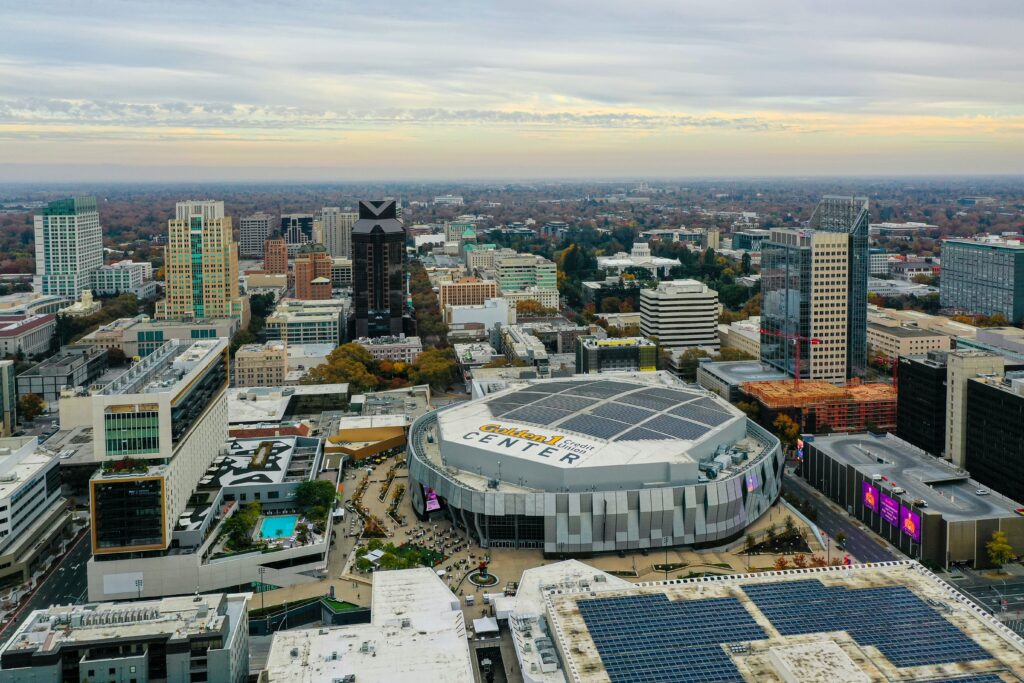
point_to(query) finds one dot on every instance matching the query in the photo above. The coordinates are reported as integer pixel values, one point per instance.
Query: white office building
(124, 277)
(253, 231)
(69, 246)
(680, 314)
(336, 228)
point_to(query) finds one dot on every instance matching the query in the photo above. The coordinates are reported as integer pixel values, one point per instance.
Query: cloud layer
(453, 88)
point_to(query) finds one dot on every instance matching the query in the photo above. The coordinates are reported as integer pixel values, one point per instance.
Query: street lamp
(262, 572)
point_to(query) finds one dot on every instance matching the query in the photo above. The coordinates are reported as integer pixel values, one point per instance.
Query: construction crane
(796, 339)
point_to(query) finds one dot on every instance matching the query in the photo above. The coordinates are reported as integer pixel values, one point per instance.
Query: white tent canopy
(485, 625)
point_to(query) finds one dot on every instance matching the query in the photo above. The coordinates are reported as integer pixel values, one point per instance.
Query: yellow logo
(521, 433)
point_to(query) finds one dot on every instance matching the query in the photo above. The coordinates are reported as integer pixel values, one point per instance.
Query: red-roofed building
(30, 335)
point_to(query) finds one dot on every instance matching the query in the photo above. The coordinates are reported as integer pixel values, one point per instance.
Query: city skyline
(127, 92)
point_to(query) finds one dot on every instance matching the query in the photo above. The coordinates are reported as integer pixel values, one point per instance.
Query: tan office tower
(961, 366)
(201, 263)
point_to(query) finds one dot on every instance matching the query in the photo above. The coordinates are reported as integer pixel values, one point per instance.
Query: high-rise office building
(680, 314)
(69, 246)
(961, 367)
(8, 397)
(994, 428)
(297, 229)
(521, 271)
(805, 312)
(921, 401)
(312, 271)
(337, 230)
(275, 255)
(253, 231)
(984, 277)
(201, 265)
(849, 216)
(378, 270)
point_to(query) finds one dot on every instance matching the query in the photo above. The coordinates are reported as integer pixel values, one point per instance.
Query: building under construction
(823, 407)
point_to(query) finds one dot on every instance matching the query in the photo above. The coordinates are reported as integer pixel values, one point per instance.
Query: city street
(861, 544)
(65, 583)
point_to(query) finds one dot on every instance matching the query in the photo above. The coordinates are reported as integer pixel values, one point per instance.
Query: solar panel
(615, 411)
(539, 416)
(980, 678)
(601, 389)
(565, 402)
(554, 387)
(904, 628)
(499, 408)
(600, 427)
(641, 434)
(673, 395)
(708, 417)
(672, 426)
(646, 638)
(522, 397)
(710, 404)
(640, 398)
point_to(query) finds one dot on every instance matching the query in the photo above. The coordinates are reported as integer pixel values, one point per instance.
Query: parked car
(982, 492)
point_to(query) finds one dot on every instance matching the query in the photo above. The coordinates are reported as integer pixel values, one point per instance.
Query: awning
(485, 625)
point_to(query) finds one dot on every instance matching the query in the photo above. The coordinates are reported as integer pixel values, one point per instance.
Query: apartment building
(467, 291)
(68, 245)
(261, 365)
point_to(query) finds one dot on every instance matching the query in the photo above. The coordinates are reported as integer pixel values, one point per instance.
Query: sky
(453, 90)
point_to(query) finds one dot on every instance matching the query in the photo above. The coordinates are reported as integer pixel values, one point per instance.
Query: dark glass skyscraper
(849, 215)
(378, 270)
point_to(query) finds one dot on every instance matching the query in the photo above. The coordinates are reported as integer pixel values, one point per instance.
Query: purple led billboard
(890, 509)
(752, 482)
(869, 494)
(910, 523)
(432, 501)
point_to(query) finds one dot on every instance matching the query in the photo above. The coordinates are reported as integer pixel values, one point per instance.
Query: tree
(348, 364)
(750, 408)
(30, 406)
(781, 564)
(771, 534)
(261, 305)
(317, 493)
(800, 561)
(688, 362)
(435, 367)
(528, 308)
(790, 525)
(841, 538)
(731, 354)
(116, 357)
(999, 550)
(786, 429)
(241, 338)
(750, 543)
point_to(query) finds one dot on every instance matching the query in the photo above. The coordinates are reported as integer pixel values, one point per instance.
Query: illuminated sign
(890, 509)
(910, 524)
(433, 503)
(800, 450)
(869, 494)
(752, 482)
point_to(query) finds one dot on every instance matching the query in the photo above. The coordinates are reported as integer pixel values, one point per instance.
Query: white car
(982, 492)
(899, 490)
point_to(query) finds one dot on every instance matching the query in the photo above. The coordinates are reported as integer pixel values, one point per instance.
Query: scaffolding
(817, 405)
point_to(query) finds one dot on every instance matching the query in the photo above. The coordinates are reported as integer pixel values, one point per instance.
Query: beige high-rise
(961, 366)
(201, 265)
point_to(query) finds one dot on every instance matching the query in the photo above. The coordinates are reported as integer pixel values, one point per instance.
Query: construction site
(823, 407)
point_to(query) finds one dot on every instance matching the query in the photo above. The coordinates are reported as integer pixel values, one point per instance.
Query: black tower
(378, 270)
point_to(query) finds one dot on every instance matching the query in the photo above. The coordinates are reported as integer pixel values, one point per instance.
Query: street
(863, 545)
(66, 583)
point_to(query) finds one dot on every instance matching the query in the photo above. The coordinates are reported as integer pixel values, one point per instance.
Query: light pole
(262, 572)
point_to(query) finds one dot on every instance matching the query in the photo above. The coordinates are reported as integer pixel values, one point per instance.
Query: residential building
(337, 231)
(70, 367)
(742, 335)
(984, 277)
(468, 291)
(417, 633)
(261, 365)
(124, 277)
(308, 322)
(639, 257)
(253, 232)
(28, 335)
(140, 336)
(963, 366)
(312, 272)
(473, 356)
(517, 273)
(35, 520)
(921, 402)
(546, 297)
(397, 348)
(752, 239)
(275, 255)
(477, 322)
(806, 311)
(378, 270)
(296, 229)
(177, 640)
(69, 246)
(680, 314)
(8, 398)
(518, 345)
(893, 342)
(341, 272)
(849, 216)
(622, 354)
(201, 264)
(995, 431)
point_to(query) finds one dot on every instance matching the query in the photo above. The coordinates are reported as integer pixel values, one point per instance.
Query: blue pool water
(280, 526)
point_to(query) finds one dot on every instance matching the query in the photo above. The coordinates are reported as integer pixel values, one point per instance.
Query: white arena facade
(585, 465)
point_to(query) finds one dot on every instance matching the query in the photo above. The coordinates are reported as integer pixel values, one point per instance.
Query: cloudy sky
(398, 89)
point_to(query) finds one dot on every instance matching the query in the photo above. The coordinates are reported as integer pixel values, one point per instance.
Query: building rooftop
(177, 618)
(944, 487)
(904, 332)
(270, 404)
(169, 369)
(990, 242)
(892, 621)
(741, 371)
(63, 361)
(595, 343)
(811, 392)
(20, 460)
(417, 633)
(19, 325)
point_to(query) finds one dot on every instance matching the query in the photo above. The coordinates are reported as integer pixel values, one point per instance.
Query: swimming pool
(279, 526)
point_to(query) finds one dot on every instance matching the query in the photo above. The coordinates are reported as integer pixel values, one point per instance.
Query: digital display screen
(752, 482)
(890, 509)
(869, 494)
(433, 503)
(910, 524)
